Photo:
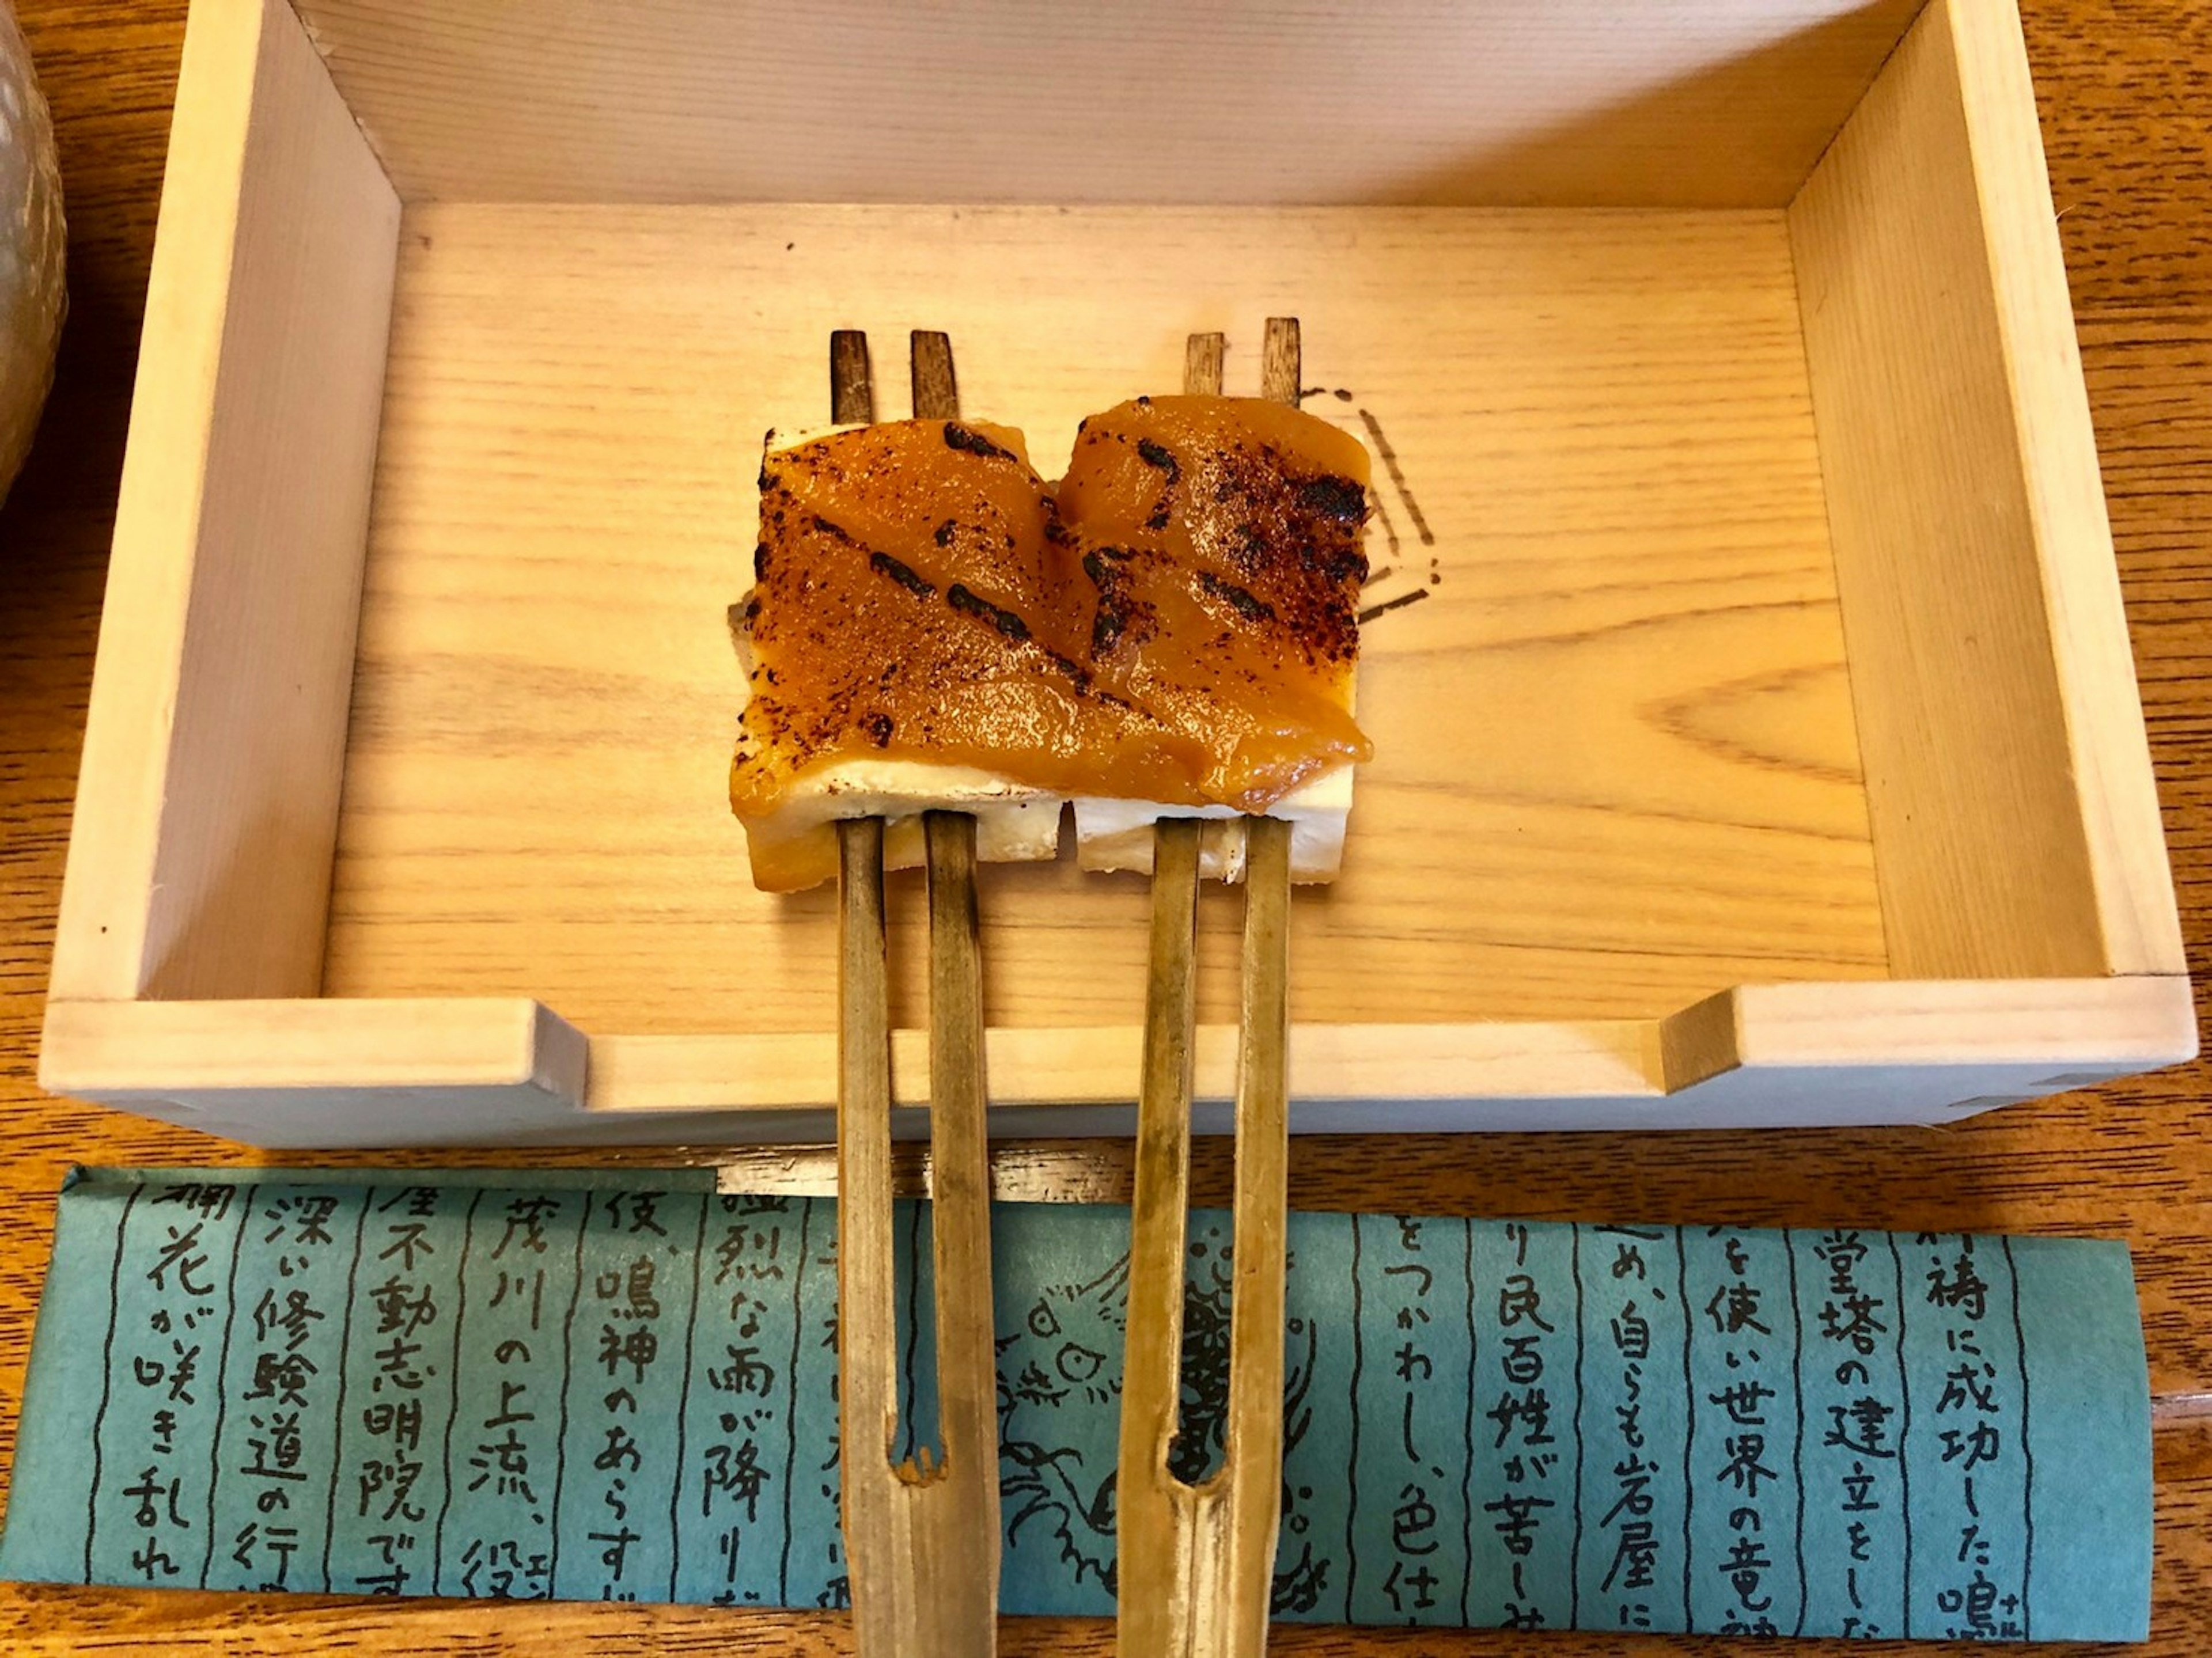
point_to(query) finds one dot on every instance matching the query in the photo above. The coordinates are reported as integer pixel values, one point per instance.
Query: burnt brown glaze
(1179, 623)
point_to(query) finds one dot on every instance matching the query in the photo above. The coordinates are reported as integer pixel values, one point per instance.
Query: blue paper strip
(422, 1385)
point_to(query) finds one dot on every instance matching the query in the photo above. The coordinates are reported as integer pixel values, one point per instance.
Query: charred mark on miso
(879, 727)
(1246, 604)
(905, 575)
(1112, 619)
(1350, 566)
(1161, 458)
(1334, 497)
(1103, 575)
(943, 534)
(1078, 674)
(968, 441)
(1004, 620)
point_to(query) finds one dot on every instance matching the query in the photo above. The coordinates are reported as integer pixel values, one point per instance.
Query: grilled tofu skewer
(1197, 1563)
(922, 1543)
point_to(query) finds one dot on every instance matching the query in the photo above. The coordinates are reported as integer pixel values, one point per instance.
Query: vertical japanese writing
(1415, 1387)
(742, 1396)
(516, 1285)
(1854, 1383)
(1743, 1403)
(156, 1443)
(280, 1429)
(625, 1395)
(115, 1262)
(401, 1353)
(443, 1388)
(1969, 1567)
(1630, 1572)
(811, 1566)
(1522, 1566)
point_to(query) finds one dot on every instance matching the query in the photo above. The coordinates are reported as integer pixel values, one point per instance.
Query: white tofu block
(1117, 834)
(1013, 824)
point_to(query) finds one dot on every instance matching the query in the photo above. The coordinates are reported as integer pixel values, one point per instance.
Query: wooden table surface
(2126, 94)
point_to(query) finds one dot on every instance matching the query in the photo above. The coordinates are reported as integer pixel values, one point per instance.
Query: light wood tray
(1756, 736)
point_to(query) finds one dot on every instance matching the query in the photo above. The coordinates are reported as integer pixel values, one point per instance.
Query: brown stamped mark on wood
(1401, 569)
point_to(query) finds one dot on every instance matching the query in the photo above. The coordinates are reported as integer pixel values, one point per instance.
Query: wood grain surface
(1481, 100)
(213, 778)
(2122, 85)
(529, 633)
(1949, 445)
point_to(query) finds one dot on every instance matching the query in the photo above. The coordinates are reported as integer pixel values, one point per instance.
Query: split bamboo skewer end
(1196, 1570)
(922, 1539)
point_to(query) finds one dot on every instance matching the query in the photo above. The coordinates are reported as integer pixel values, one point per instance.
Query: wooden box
(1758, 739)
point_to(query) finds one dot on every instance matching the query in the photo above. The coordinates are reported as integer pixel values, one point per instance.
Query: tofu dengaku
(1172, 632)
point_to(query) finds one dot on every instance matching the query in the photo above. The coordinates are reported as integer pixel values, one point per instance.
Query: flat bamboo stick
(963, 1504)
(921, 1542)
(1197, 1563)
(852, 387)
(929, 369)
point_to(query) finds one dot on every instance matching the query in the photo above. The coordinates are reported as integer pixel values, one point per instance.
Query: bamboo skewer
(922, 1543)
(852, 385)
(1197, 1563)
